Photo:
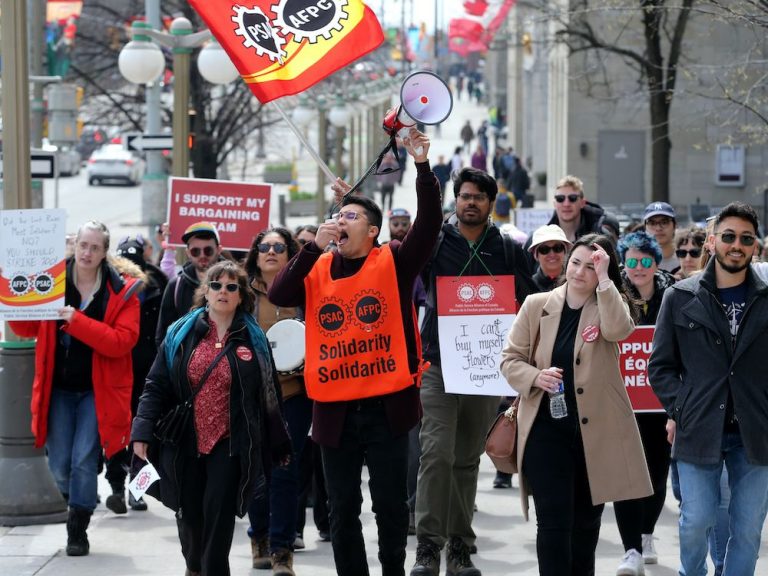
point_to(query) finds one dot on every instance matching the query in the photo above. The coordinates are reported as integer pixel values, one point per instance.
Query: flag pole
(320, 162)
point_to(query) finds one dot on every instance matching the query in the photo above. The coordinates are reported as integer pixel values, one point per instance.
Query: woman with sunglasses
(273, 513)
(305, 233)
(549, 248)
(636, 519)
(578, 445)
(236, 432)
(689, 244)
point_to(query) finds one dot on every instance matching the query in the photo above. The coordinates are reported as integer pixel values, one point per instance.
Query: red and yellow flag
(283, 47)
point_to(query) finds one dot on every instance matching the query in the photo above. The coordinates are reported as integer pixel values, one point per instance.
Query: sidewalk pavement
(146, 543)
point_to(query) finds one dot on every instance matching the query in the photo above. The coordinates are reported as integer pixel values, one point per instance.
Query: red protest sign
(239, 210)
(634, 353)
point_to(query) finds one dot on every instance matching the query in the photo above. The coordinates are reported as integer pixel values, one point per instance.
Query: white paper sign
(32, 247)
(143, 480)
(475, 314)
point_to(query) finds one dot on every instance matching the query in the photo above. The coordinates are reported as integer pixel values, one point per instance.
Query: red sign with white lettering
(239, 210)
(634, 353)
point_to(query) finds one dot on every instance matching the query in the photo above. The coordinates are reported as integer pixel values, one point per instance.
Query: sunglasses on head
(139, 240)
(730, 238)
(557, 249)
(216, 286)
(195, 252)
(644, 262)
(278, 247)
(572, 198)
(693, 252)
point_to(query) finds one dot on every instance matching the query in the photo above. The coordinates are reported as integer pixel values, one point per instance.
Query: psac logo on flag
(483, 292)
(305, 19)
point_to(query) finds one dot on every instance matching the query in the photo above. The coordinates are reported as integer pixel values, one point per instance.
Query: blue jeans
(274, 510)
(73, 446)
(700, 491)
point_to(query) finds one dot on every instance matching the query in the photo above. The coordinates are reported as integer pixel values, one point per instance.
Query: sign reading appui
(634, 353)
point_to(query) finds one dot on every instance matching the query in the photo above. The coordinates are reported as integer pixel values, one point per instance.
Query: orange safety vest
(355, 339)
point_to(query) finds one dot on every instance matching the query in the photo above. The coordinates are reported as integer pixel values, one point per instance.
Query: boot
(260, 553)
(189, 572)
(116, 500)
(458, 561)
(77, 539)
(282, 562)
(138, 505)
(427, 559)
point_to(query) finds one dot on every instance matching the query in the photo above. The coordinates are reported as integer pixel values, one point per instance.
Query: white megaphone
(425, 98)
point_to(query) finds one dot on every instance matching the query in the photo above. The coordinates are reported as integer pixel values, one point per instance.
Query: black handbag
(170, 428)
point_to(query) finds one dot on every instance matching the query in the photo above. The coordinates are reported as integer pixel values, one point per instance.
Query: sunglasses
(217, 286)
(302, 241)
(139, 240)
(693, 253)
(633, 262)
(730, 238)
(195, 252)
(572, 198)
(557, 249)
(278, 247)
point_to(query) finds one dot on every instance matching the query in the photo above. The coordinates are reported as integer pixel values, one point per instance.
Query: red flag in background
(283, 47)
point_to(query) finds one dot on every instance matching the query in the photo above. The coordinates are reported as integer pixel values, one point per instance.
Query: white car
(113, 162)
(69, 159)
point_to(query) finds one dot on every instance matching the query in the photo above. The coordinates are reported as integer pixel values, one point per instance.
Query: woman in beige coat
(578, 444)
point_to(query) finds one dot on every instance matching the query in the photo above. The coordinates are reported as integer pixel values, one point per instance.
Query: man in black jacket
(453, 427)
(203, 251)
(708, 370)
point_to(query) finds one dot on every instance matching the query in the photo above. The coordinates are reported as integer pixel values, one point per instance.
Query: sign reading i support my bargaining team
(474, 316)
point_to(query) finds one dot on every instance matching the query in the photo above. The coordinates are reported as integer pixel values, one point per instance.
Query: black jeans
(637, 517)
(568, 525)
(366, 439)
(312, 482)
(208, 500)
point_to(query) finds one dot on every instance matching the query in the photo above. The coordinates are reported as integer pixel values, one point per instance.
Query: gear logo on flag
(20, 284)
(310, 19)
(257, 32)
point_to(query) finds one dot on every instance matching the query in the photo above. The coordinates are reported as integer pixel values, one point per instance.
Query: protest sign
(634, 353)
(239, 210)
(474, 315)
(32, 247)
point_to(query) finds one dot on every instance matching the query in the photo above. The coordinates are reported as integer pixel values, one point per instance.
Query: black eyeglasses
(644, 262)
(572, 198)
(730, 238)
(278, 247)
(216, 286)
(195, 252)
(469, 197)
(557, 249)
(693, 253)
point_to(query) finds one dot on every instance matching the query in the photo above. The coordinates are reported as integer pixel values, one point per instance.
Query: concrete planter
(301, 207)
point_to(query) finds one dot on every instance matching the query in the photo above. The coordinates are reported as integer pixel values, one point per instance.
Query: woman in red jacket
(83, 376)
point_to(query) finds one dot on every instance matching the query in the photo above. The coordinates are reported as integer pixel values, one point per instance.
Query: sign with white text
(32, 244)
(634, 353)
(239, 210)
(474, 316)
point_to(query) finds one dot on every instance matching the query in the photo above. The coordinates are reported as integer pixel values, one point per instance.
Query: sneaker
(427, 559)
(631, 564)
(260, 553)
(298, 543)
(116, 502)
(502, 480)
(458, 560)
(650, 556)
(138, 505)
(282, 563)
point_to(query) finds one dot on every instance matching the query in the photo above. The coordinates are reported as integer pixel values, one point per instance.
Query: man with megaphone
(363, 359)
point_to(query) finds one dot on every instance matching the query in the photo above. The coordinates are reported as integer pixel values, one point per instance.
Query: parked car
(69, 158)
(113, 162)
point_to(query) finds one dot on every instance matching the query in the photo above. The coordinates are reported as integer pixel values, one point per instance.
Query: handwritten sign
(33, 267)
(634, 353)
(239, 210)
(474, 315)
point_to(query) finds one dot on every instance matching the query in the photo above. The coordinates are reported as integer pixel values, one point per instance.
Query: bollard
(28, 493)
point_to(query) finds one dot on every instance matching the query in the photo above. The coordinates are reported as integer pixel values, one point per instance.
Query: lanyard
(475, 254)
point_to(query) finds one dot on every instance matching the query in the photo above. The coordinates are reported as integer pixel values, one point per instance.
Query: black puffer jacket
(258, 434)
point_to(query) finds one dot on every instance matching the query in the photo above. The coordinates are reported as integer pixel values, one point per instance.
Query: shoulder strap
(210, 368)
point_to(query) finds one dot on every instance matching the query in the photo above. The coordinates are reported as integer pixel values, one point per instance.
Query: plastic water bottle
(557, 406)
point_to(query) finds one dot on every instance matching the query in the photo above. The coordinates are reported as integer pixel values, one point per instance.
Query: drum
(286, 337)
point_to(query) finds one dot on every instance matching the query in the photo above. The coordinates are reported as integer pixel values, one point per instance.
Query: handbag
(501, 441)
(170, 428)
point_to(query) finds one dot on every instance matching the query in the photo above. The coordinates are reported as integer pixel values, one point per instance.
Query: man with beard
(203, 251)
(707, 368)
(454, 426)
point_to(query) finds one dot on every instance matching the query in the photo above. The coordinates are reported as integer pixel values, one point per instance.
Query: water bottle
(557, 407)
